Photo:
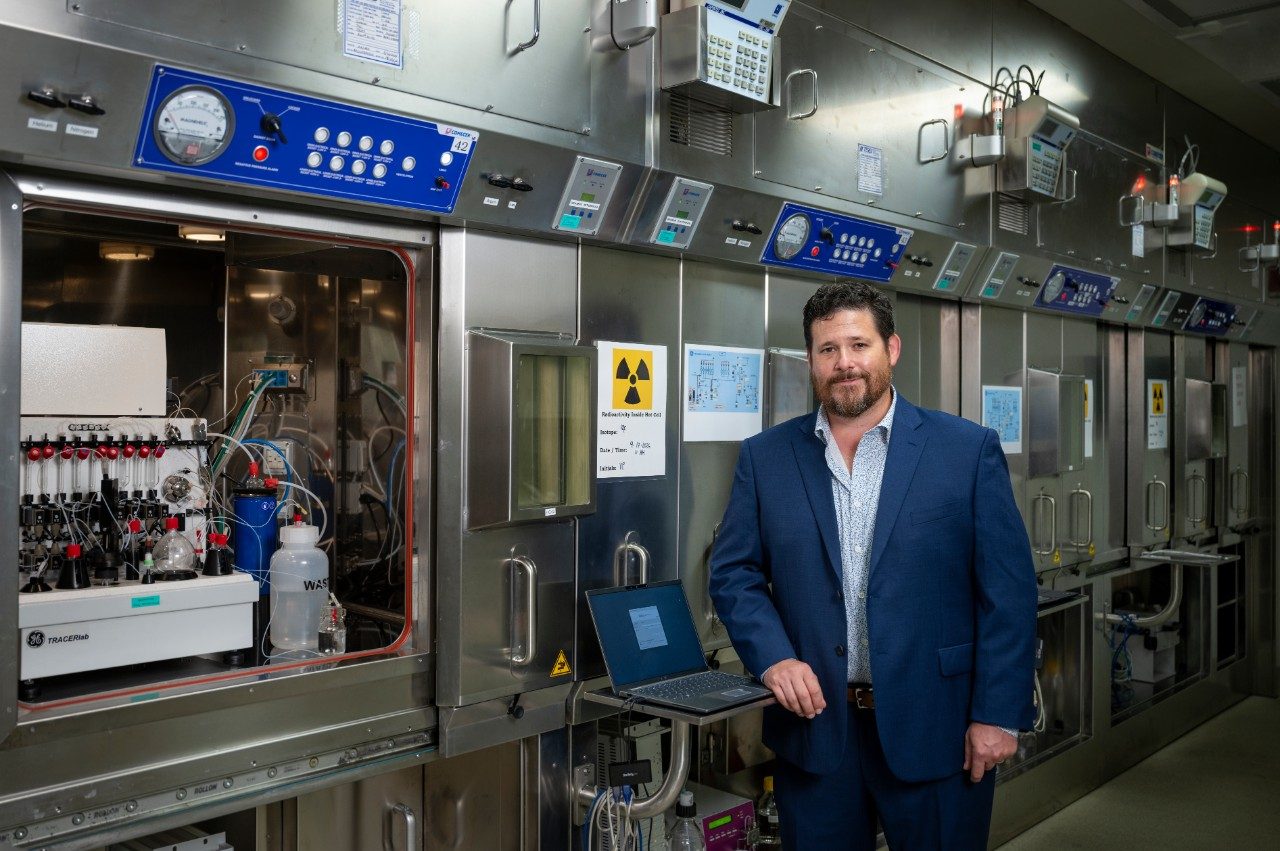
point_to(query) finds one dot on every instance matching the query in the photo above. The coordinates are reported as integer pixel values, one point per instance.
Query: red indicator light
(959, 111)
(1139, 184)
(260, 153)
(813, 252)
(1275, 225)
(1251, 228)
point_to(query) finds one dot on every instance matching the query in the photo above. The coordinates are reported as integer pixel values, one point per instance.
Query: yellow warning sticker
(633, 379)
(1093, 551)
(1086, 401)
(561, 667)
(1157, 398)
(1057, 557)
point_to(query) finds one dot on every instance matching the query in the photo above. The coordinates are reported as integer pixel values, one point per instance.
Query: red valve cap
(158, 451)
(33, 454)
(49, 451)
(130, 450)
(144, 451)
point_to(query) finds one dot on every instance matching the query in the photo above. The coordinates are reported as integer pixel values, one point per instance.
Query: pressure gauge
(194, 125)
(791, 237)
(1053, 286)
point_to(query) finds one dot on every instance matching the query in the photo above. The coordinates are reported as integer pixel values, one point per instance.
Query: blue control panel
(1210, 317)
(213, 128)
(1076, 291)
(821, 241)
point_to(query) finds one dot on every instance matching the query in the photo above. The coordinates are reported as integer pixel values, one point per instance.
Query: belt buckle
(863, 698)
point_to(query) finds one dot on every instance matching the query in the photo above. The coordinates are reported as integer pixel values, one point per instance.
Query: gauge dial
(791, 237)
(194, 125)
(1053, 286)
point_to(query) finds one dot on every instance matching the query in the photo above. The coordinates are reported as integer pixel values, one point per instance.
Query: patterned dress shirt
(857, 498)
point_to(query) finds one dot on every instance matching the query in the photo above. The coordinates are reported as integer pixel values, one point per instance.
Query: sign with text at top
(631, 420)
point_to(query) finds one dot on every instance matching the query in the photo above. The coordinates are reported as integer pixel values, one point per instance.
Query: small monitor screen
(737, 4)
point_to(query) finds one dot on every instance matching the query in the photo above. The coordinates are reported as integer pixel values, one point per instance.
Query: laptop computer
(653, 654)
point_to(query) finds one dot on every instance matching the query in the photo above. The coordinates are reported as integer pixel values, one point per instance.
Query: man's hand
(985, 747)
(795, 686)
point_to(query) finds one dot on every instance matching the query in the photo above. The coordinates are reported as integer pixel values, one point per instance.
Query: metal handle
(946, 139)
(1088, 539)
(1192, 502)
(1249, 252)
(712, 617)
(1053, 524)
(1242, 506)
(1074, 185)
(531, 610)
(537, 29)
(630, 547)
(410, 828)
(1213, 246)
(786, 89)
(1164, 506)
(1141, 210)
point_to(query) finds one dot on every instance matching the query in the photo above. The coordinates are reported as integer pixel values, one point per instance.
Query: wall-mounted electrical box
(681, 214)
(530, 428)
(586, 196)
(723, 51)
(1038, 133)
(1199, 197)
(1055, 422)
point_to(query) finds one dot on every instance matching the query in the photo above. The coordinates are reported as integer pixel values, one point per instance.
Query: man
(873, 571)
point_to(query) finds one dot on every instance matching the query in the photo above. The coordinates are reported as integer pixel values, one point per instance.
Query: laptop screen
(646, 632)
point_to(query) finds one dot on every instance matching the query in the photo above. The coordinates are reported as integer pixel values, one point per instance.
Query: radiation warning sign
(1157, 414)
(561, 667)
(633, 379)
(631, 423)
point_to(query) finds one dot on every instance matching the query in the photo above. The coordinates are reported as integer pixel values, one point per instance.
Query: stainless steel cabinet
(1149, 514)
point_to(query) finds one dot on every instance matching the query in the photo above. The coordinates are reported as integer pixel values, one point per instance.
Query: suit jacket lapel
(905, 445)
(812, 459)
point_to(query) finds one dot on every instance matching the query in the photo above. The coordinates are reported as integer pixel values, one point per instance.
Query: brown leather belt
(861, 696)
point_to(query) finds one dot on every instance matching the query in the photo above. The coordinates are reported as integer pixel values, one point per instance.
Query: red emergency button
(260, 153)
(813, 252)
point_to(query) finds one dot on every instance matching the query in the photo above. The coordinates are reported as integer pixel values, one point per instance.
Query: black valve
(519, 184)
(46, 97)
(500, 181)
(1028, 282)
(745, 227)
(514, 709)
(1120, 299)
(827, 236)
(86, 104)
(271, 125)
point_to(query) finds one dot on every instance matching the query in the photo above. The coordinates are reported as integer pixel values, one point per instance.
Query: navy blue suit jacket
(951, 601)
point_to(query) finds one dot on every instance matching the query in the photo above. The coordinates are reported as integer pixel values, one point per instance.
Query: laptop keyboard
(686, 688)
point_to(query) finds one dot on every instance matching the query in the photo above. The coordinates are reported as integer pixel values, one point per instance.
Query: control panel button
(336, 163)
(321, 135)
(386, 147)
(314, 159)
(344, 139)
(366, 143)
(379, 170)
(260, 153)
(446, 158)
(408, 164)
(358, 167)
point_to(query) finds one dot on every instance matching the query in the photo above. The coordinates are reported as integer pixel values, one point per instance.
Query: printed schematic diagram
(723, 381)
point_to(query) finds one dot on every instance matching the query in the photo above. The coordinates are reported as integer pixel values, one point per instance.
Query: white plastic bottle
(686, 833)
(299, 588)
(173, 552)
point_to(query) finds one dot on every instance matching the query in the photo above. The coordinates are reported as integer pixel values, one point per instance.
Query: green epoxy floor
(1216, 787)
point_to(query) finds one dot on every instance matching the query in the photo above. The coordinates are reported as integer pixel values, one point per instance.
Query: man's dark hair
(848, 295)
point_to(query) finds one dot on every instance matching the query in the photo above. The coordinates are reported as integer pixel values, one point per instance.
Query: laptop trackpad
(734, 693)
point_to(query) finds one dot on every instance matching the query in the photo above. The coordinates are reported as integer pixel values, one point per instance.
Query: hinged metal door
(10, 382)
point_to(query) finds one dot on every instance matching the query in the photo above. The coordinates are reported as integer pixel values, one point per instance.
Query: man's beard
(850, 402)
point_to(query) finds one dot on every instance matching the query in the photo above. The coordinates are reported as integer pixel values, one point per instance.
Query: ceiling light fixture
(125, 251)
(202, 233)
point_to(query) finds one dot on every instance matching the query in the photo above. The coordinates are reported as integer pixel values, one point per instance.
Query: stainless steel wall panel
(726, 306)
(10, 393)
(867, 92)
(384, 811)
(1150, 478)
(496, 281)
(948, 35)
(928, 372)
(1191, 439)
(476, 800)
(629, 297)
(470, 54)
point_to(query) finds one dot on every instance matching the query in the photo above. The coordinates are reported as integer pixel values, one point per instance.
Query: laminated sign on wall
(1158, 414)
(631, 423)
